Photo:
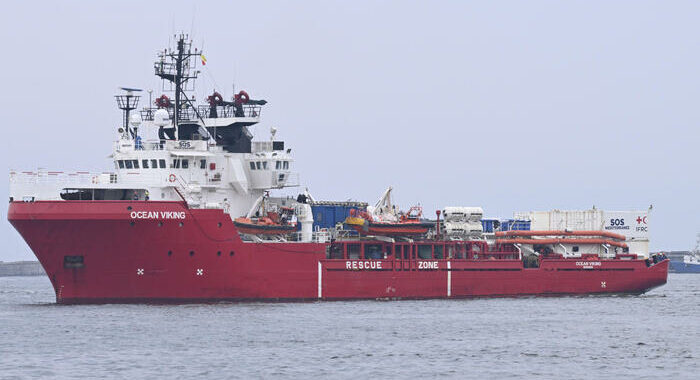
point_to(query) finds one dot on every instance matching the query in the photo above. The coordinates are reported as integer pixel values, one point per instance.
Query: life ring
(163, 101)
(242, 97)
(215, 99)
(172, 178)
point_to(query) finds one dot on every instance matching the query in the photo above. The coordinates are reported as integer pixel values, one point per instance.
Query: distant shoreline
(21, 268)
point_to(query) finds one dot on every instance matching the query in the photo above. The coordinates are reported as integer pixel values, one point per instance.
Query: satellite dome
(161, 118)
(135, 120)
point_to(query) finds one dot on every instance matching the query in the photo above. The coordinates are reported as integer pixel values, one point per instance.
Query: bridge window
(252, 165)
(286, 165)
(121, 164)
(162, 164)
(144, 163)
(129, 164)
(574, 248)
(176, 163)
(264, 165)
(257, 165)
(154, 164)
(136, 164)
(202, 164)
(185, 164)
(278, 165)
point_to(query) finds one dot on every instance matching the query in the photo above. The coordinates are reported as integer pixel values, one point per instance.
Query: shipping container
(328, 214)
(493, 225)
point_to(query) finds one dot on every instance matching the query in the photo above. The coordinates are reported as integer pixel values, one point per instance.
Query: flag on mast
(204, 60)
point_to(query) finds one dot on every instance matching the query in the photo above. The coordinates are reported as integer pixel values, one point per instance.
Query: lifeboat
(263, 226)
(409, 224)
(272, 224)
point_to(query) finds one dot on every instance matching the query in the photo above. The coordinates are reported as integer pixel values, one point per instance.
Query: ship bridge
(203, 155)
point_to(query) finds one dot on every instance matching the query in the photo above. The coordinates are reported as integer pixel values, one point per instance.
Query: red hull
(163, 252)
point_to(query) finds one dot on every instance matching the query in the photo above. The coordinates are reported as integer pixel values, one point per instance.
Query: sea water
(656, 335)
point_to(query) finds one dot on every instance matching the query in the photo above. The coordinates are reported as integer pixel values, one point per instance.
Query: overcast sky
(512, 106)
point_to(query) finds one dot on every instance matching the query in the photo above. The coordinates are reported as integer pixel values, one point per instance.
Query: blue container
(521, 225)
(329, 214)
(515, 225)
(488, 225)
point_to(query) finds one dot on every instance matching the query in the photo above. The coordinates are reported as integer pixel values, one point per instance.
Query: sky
(507, 105)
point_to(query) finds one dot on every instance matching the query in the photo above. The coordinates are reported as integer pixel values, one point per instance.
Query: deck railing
(205, 112)
(76, 178)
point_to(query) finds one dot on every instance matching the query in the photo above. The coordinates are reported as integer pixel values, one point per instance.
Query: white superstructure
(634, 225)
(204, 155)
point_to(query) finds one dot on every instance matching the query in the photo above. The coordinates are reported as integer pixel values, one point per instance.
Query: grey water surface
(650, 336)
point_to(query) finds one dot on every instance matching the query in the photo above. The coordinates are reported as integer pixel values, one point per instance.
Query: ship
(685, 261)
(161, 226)
(689, 263)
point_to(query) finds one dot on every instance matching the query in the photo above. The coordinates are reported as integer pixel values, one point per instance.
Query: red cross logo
(641, 220)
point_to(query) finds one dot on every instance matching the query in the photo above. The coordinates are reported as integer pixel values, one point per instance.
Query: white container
(463, 229)
(462, 214)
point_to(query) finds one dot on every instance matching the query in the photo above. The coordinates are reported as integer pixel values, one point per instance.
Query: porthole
(191, 253)
(129, 208)
(160, 224)
(220, 224)
(133, 223)
(218, 253)
(170, 253)
(181, 224)
(230, 253)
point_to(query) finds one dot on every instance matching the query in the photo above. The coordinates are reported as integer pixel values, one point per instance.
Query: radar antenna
(127, 102)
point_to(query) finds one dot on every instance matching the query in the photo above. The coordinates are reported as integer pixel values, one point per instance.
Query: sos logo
(617, 222)
(185, 145)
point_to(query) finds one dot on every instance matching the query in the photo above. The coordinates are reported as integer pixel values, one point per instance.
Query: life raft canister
(172, 178)
(215, 99)
(242, 97)
(163, 101)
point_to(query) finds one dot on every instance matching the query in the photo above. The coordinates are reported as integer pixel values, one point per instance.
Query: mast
(178, 80)
(176, 68)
